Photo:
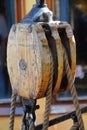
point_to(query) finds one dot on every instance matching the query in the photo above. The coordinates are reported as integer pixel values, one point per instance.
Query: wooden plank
(66, 125)
(50, 4)
(19, 10)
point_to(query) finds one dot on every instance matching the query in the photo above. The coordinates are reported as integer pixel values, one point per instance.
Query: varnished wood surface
(4, 123)
(66, 125)
(19, 12)
(50, 4)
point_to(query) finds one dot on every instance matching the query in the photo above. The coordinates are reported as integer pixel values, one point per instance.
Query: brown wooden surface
(28, 48)
(19, 10)
(4, 122)
(66, 125)
(50, 4)
(72, 51)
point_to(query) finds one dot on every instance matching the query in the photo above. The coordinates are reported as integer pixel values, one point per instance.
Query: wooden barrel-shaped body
(29, 63)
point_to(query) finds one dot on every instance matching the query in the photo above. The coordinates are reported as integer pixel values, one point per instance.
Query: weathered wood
(28, 61)
(28, 58)
(71, 48)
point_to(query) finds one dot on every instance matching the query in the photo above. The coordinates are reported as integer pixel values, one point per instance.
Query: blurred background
(72, 11)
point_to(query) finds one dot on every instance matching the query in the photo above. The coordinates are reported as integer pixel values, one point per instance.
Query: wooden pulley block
(63, 31)
(63, 35)
(28, 58)
(28, 66)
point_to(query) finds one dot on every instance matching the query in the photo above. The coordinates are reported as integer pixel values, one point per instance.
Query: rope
(75, 126)
(12, 111)
(73, 91)
(48, 97)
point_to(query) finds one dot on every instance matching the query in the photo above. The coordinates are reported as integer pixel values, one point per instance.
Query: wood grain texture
(72, 45)
(50, 4)
(28, 58)
(66, 125)
(60, 59)
(28, 67)
(19, 12)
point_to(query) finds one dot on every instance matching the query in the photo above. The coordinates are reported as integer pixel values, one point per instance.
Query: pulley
(36, 61)
(29, 70)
